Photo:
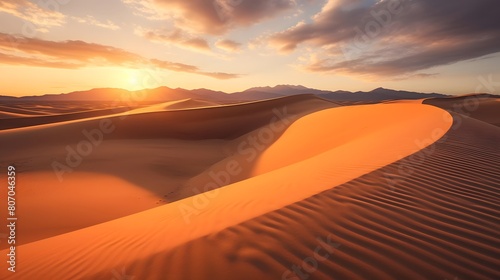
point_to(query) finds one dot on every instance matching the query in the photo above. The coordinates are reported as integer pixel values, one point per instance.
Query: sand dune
(142, 156)
(203, 123)
(339, 130)
(22, 111)
(162, 230)
(47, 108)
(187, 103)
(19, 121)
(191, 103)
(325, 192)
(479, 106)
(441, 221)
(9, 115)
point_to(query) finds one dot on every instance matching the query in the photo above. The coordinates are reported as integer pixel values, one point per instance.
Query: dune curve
(104, 247)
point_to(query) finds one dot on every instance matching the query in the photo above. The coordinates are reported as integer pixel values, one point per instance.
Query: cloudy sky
(54, 46)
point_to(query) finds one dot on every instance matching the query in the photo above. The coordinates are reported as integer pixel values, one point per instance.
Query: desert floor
(289, 188)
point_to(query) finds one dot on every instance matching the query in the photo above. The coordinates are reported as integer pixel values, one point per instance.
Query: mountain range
(252, 94)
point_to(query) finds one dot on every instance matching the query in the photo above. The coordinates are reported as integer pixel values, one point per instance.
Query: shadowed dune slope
(7, 108)
(224, 122)
(11, 118)
(8, 115)
(26, 121)
(479, 106)
(45, 108)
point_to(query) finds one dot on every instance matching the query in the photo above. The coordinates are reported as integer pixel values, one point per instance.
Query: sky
(58, 46)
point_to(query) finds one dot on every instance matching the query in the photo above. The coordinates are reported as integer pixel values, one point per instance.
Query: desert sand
(289, 188)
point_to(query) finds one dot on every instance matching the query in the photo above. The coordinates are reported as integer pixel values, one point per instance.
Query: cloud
(228, 45)
(43, 17)
(395, 37)
(176, 37)
(33, 61)
(93, 21)
(211, 16)
(220, 76)
(18, 50)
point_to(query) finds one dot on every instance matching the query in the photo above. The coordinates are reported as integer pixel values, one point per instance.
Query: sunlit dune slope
(343, 129)
(181, 104)
(139, 244)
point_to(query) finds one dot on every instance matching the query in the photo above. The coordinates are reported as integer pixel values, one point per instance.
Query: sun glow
(132, 80)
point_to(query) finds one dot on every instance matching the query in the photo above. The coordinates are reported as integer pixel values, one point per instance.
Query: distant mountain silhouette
(252, 94)
(379, 94)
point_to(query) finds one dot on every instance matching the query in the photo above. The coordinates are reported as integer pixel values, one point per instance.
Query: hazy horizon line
(235, 92)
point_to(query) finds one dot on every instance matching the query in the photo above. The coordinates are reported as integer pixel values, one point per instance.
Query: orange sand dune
(326, 131)
(432, 215)
(139, 158)
(261, 227)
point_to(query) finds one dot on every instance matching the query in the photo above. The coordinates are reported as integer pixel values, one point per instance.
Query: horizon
(230, 46)
(236, 92)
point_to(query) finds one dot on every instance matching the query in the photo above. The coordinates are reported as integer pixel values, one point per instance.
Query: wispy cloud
(41, 17)
(79, 54)
(93, 21)
(176, 36)
(395, 37)
(228, 45)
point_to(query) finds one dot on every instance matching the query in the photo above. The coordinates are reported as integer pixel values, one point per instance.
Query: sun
(133, 81)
